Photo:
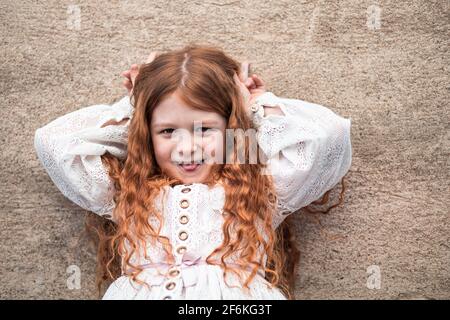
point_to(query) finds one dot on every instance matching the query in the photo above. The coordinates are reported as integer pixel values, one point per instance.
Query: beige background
(390, 78)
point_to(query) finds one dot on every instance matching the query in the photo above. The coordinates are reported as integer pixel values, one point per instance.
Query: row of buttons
(183, 236)
(173, 273)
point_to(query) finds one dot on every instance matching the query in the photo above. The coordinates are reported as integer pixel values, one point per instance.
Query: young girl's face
(182, 134)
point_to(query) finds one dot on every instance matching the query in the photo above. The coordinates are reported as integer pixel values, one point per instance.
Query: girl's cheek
(213, 147)
(163, 148)
(170, 148)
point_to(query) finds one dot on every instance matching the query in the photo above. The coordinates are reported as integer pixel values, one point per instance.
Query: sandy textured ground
(390, 76)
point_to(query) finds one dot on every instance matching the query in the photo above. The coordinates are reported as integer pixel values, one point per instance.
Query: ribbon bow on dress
(186, 272)
(184, 268)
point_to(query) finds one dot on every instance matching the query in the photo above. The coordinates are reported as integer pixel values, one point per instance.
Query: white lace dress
(309, 149)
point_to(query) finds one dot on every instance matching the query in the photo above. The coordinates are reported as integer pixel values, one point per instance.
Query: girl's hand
(256, 86)
(251, 87)
(131, 74)
(130, 77)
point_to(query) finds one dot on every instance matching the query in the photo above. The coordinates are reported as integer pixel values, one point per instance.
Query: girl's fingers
(152, 56)
(127, 84)
(130, 77)
(134, 72)
(250, 84)
(243, 76)
(258, 81)
(244, 91)
(134, 68)
(126, 75)
(131, 74)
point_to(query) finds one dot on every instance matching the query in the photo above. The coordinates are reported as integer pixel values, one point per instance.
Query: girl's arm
(308, 147)
(70, 147)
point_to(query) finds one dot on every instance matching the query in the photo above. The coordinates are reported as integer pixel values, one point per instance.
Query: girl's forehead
(173, 110)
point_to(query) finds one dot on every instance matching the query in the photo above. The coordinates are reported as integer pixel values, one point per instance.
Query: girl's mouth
(191, 167)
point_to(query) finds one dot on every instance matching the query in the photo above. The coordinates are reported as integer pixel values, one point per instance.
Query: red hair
(194, 72)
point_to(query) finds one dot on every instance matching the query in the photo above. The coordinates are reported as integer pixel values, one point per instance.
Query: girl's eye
(165, 131)
(204, 129)
(169, 130)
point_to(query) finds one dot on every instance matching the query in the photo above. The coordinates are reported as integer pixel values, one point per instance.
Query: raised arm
(70, 147)
(308, 147)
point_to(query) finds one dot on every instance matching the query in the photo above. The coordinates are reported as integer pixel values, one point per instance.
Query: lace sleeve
(308, 149)
(70, 147)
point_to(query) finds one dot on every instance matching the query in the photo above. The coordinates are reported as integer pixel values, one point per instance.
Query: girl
(194, 218)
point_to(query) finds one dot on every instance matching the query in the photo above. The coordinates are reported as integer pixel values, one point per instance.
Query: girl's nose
(187, 148)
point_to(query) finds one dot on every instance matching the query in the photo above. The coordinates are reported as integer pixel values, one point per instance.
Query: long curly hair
(194, 71)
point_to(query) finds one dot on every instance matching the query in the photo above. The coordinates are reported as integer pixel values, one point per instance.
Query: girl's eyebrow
(163, 124)
(208, 122)
(203, 122)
